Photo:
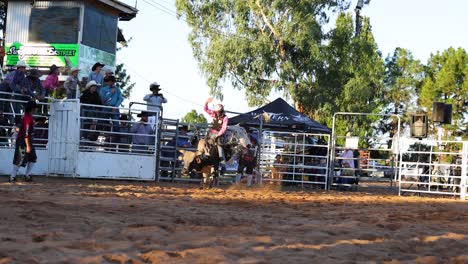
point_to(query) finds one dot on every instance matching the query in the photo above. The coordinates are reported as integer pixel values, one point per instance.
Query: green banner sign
(42, 55)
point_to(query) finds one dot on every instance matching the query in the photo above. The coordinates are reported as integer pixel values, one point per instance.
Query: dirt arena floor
(85, 221)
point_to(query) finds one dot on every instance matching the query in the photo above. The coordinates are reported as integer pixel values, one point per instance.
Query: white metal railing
(103, 129)
(365, 166)
(11, 112)
(440, 170)
(293, 158)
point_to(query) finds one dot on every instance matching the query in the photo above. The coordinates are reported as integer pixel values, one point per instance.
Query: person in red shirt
(219, 125)
(25, 154)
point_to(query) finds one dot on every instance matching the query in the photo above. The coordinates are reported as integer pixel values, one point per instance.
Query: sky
(160, 52)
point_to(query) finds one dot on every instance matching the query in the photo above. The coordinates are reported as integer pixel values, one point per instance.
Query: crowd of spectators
(100, 97)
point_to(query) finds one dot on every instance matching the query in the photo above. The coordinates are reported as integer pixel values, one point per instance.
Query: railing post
(464, 171)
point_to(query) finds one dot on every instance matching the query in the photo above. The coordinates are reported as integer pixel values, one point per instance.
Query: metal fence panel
(433, 167)
(362, 165)
(112, 146)
(11, 112)
(294, 158)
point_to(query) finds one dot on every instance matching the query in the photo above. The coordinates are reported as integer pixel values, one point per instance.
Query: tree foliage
(351, 78)
(193, 117)
(123, 80)
(403, 76)
(259, 45)
(265, 46)
(446, 81)
(281, 45)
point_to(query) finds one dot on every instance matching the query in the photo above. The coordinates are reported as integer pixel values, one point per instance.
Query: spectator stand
(372, 159)
(294, 158)
(434, 167)
(11, 114)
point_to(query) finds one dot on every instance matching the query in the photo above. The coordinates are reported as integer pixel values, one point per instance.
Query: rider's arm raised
(206, 109)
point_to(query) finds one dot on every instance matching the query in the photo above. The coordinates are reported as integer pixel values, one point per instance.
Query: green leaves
(123, 80)
(446, 81)
(193, 117)
(260, 46)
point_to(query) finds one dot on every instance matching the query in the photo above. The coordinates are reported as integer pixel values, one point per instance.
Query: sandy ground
(84, 221)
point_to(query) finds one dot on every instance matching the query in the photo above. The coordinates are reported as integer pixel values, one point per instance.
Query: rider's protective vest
(218, 122)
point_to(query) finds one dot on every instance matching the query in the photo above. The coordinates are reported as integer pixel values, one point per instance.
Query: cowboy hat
(97, 64)
(53, 67)
(74, 69)
(92, 83)
(21, 63)
(143, 113)
(183, 127)
(155, 86)
(219, 107)
(110, 79)
(34, 73)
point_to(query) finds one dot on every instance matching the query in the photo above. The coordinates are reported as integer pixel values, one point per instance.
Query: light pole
(358, 8)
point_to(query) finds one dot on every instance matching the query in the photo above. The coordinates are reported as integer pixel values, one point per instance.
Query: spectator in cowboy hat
(108, 72)
(72, 83)
(12, 83)
(89, 98)
(96, 75)
(111, 97)
(14, 78)
(90, 95)
(155, 99)
(51, 83)
(32, 86)
(143, 131)
(34, 89)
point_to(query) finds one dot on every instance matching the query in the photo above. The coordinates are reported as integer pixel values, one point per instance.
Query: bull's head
(187, 158)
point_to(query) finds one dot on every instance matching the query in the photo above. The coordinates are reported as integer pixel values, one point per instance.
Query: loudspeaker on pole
(442, 113)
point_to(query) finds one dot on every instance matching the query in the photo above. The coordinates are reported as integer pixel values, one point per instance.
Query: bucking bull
(205, 159)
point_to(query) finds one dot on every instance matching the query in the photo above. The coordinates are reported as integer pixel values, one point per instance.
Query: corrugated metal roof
(17, 22)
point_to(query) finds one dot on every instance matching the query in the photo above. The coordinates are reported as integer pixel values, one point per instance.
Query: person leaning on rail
(90, 110)
(111, 96)
(31, 89)
(143, 134)
(12, 80)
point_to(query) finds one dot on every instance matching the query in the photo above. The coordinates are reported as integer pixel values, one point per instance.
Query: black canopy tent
(282, 116)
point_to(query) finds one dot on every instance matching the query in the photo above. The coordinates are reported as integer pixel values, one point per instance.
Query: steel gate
(64, 136)
(369, 158)
(294, 158)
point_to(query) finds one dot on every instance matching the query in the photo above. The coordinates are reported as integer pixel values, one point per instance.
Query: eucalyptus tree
(287, 46)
